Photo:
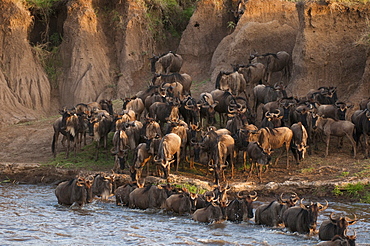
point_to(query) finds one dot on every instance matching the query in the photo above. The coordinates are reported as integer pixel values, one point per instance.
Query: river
(30, 215)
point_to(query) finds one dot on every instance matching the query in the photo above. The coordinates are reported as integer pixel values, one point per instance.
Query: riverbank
(34, 173)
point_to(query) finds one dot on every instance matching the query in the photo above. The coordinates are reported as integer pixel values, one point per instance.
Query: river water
(30, 215)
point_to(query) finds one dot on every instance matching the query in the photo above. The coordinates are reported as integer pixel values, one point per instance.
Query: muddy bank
(34, 173)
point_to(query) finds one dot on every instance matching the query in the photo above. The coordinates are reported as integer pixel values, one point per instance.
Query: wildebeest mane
(268, 206)
(147, 188)
(71, 181)
(168, 78)
(271, 54)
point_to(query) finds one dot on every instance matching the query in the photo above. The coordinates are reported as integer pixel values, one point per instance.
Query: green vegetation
(51, 62)
(42, 8)
(85, 158)
(170, 16)
(357, 191)
(191, 188)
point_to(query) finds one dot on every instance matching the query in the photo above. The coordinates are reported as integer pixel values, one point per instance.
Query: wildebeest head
(102, 186)
(247, 204)
(311, 212)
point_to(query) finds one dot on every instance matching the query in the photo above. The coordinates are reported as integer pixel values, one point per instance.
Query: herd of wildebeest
(165, 124)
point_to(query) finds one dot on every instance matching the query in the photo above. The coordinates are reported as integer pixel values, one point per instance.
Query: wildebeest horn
(302, 205)
(351, 221)
(268, 114)
(281, 197)
(332, 218)
(254, 196)
(239, 196)
(231, 111)
(323, 207)
(278, 112)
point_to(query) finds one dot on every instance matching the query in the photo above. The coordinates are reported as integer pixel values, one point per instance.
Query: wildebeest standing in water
(73, 191)
(335, 226)
(271, 214)
(303, 219)
(166, 63)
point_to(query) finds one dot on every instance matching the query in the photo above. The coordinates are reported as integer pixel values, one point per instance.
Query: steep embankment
(327, 51)
(105, 46)
(24, 86)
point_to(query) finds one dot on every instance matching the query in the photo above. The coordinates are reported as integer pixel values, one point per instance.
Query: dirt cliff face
(106, 45)
(24, 86)
(326, 52)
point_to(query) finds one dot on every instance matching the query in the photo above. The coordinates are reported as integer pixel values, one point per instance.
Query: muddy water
(30, 215)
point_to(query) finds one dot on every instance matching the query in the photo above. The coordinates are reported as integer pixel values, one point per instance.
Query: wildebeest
(207, 110)
(190, 110)
(166, 63)
(174, 89)
(162, 111)
(133, 130)
(271, 214)
(168, 147)
(264, 94)
(120, 150)
(225, 100)
(275, 138)
(68, 125)
(339, 128)
(221, 149)
(102, 186)
(99, 129)
(136, 104)
(303, 219)
(306, 114)
(324, 95)
(275, 62)
(272, 120)
(232, 82)
(299, 141)
(152, 196)
(184, 79)
(364, 104)
(241, 208)
(258, 156)
(106, 105)
(122, 193)
(73, 191)
(336, 112)
(335, 226)
(361, 119)
(141, 158)
(340, 241)
(253, 73)
(214, 210)
(180, 203)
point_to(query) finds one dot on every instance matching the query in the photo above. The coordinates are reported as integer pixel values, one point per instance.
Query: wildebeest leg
(245, 156)
(350, 137)
(366, 137)
(54, 144)
(68, 144)
(97, 149)
(251, 169)
(327, 145)
(287, 146)
(260, 172)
